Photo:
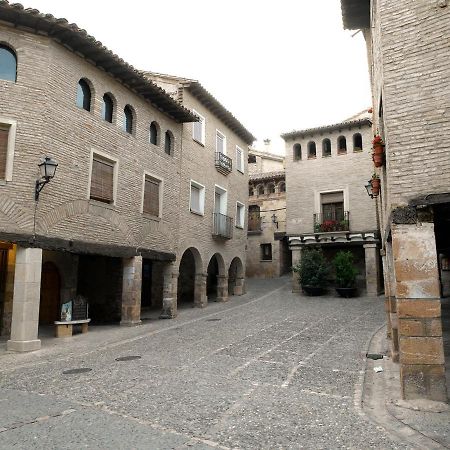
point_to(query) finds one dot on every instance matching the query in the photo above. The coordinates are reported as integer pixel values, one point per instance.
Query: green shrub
(312, 269)
(345, 270)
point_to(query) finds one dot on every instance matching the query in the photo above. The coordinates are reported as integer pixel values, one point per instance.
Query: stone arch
(236, 277)
(191, 286)
(17, 215)
(216, 288)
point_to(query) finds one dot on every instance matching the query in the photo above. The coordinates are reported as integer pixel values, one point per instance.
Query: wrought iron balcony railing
(331, 222)
(224, 164)
(222, 226)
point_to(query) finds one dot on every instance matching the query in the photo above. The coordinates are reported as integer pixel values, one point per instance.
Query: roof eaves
(355, 14)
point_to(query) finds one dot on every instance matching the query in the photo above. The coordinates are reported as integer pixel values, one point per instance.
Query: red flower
(377, 140)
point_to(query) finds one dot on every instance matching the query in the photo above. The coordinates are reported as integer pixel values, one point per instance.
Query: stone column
(200, 298)
(386, 295)
(27, 293)
(372, 269)
(296, 257)
(390, 282)
(239, 286)
(422, 370)
(131, 291)
(222, 288)
(170, 291)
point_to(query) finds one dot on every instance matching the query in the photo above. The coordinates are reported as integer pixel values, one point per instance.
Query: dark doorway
(50, 294)
(211, 282)
(186, 278)
(146, 293)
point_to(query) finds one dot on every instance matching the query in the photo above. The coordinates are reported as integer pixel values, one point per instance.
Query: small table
(64, 329)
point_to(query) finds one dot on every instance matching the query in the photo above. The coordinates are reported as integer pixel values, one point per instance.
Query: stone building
(115, 221)
(268, 254)
(410, 72)
(327, 205)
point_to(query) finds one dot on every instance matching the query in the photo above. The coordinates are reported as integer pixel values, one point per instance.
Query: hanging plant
(376, 184)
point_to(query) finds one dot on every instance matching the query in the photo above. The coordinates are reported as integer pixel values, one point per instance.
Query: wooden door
(50, 294)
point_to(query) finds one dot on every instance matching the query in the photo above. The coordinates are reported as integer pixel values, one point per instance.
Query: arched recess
(216, 268)
(236, 277)
(189, 272)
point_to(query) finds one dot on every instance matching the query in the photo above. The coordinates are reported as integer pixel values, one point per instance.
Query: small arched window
(311, 150)
(342, 145)
(271, 188)
(154, 132)
(107, 108)
(282, 187)
(297, 149)
(251, 192)
(84, 95)
(326, 147)
(261, 190)
(128, 125)
(8, 64)
(168, 143)
(357, 142)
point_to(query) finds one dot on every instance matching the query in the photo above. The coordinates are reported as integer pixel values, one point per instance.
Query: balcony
(254, 223)
(222, 226)
(331, 222)
(223, 164)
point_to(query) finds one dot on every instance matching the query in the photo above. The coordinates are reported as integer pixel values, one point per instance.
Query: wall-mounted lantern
(47, 169)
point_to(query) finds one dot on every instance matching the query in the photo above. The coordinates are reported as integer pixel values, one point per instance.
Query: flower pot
(377, 159)
(378, 149)
(347, 292)
(375, 182)
(313, 290)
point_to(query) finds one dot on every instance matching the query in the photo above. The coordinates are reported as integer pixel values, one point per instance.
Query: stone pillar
(200, 298)
(390, 287)
(422, 370)
(27, 293)
(170, 291)
(296, 257)
(386, 295)
(222, 288)
(372, 269)
(6, 316)
(239, 286)
(131, 291)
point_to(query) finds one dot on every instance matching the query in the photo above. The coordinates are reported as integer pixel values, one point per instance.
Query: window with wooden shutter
(4, 134)
(198, 129)
(151, 197)
(102, 180)
(220, 142)
(239, 159)
(195, 198)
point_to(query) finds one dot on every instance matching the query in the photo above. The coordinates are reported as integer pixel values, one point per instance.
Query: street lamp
(274, 220)
(47, 169)
(369, 190)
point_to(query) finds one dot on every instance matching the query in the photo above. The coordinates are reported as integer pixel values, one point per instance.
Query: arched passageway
(236, 277)
(190, 290)
(215, 279)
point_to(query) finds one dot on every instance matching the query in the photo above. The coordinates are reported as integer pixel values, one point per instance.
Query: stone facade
(327, 204)
(85, 241)
(410, 69)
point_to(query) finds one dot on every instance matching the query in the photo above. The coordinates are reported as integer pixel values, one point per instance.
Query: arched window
(326, 147)
(8, 64)
(84, 95)
(271, 188)
(282, 187)
(107, 108)
(154, 133)
(297, 149)
(128, 125)
(168, 143)
(357, 142)
(261, 189)
(342, 145)
(311, 149)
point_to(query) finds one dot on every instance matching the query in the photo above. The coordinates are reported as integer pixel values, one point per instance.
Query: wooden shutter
(195, 198)
(220, 142)
(151, 197)
(239, 159)
(102, 181)
(198, 130)
(4, 132)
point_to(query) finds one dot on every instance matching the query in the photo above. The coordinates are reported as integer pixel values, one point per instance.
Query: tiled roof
(210, 102)
(79, 41)
(267, 175)
(355, 14)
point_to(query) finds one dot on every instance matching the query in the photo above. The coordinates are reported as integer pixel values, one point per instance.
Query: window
(128, 126)
(168, 143)
(240, 209)
(254, 218)
(197, 199)
(102, 179)
(154, 133)
(251, 192)
(84, 95)
(271, 188)
(357, 142)
(8, 64)
(107, 108)
(332, 206)
(342, 145)
(297, 150)
(326, 148)
(260, 190)
(282, 187)
(221, 143)
(251, 159)
(266, 252)
(239, 159)
(152, 196)
(311, 150)
(7, 143)
(198, 129)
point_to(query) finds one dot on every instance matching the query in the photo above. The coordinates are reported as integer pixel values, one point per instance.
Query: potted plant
(375, 182)
(312, 271)
(378, 150)
(345, 274)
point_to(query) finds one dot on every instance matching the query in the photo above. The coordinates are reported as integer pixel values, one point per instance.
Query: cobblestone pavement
(268, 370)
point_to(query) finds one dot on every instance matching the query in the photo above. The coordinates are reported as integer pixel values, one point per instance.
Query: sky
(277, 66)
